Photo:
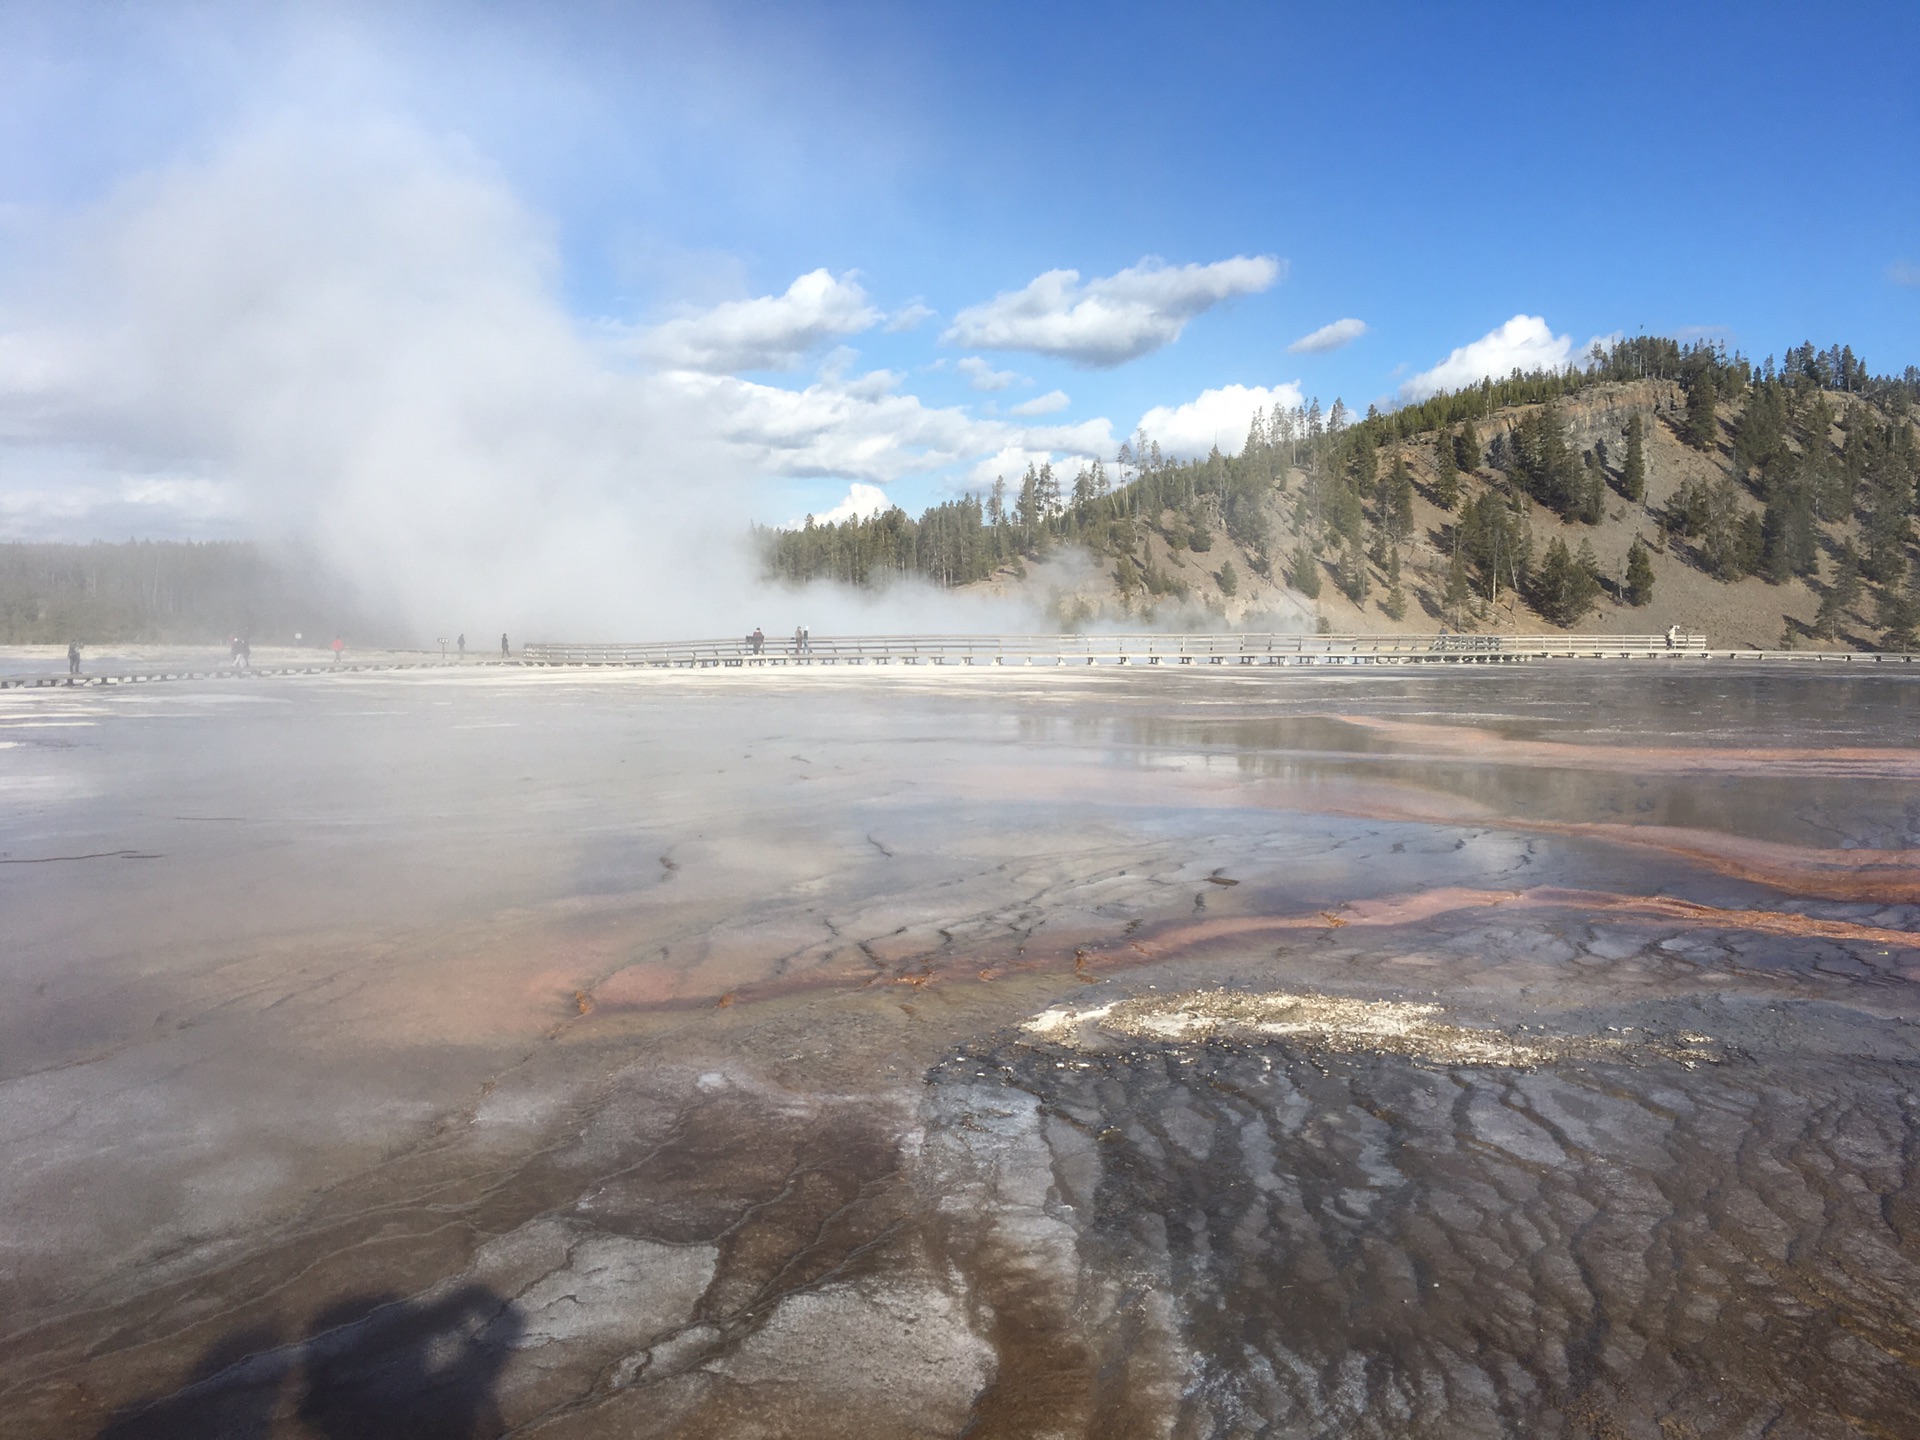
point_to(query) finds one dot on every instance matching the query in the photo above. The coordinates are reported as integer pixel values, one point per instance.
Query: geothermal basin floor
(1499, 1052)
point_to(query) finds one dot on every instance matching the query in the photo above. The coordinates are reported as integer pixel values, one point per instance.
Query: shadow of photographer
(372, 1367)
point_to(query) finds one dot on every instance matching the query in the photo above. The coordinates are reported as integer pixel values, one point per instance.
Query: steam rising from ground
(352, 338)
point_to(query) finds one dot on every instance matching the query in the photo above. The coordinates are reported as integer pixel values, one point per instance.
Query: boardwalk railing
(1146, 649)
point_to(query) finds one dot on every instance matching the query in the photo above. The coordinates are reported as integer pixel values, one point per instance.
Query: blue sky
(633, 192)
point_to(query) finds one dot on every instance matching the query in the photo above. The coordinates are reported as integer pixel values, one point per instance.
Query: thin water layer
(1527, 1053)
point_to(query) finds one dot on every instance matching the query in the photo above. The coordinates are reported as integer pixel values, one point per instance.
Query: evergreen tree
(1459, 592)
(1397, 503)
(1703, 428)
(1787, 544)
(1365, 464)
(1840, 595)
(1593, 491)
(1305, 571)
(1354, 580)
(1566, 586)
(1633, 475)
(1228, 578)
(1395, 605)
(1639, 574)
(1896, 614)
(1543, 461)
(1467, 454)
(1446, 472)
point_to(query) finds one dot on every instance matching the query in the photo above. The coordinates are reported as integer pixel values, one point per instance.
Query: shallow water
(644, 1055)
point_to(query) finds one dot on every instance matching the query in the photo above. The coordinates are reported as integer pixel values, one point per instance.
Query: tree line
(1348, 483)
(164, 590)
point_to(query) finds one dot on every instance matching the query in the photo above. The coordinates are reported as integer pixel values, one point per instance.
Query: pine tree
(1446, 472)
(1395, 605)
(1633, 476)
(1593, 491)
(1566, 586)
(1397, 503)
(1467, 454)
(1365, 465)
(1841, 593)
(1305, 576)
(1639, 574)
(1702, 427)
(1459, 590)
(1353, 573)
(1897, 616)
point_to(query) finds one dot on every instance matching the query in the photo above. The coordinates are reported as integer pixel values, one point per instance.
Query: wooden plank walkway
(1032, 650)
(231, 672)
(1127, 649)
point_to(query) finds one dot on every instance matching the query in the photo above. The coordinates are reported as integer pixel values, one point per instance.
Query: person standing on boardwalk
(338, 646)
(463, 645)
(73, 659)
(504, 652)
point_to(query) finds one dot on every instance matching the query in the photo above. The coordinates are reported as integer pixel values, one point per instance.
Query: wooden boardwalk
(1029, 650)
(64, 681)
(1132, 649)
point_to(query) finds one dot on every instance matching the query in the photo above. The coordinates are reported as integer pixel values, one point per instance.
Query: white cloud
(1525, 342)
(1904, 272)
(857, 431)
(1214, 417)
(1010, 463)
(1110, 320)
(772, 332)
(1042, 404)
(862, 501)
(351, 335)
(983, 376)
(1329, 337)
(851, 430)
(909, 317)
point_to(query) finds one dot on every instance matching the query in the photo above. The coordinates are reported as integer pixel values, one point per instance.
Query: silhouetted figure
(73, 659)
(799, 640)
(376, 1367)
(463, 644)
(380, 1369)
(758, 640)
(504, 652)
(246, 652)
(232, 1393)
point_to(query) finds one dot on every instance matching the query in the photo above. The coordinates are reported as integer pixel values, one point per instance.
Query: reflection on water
(1527, 1053)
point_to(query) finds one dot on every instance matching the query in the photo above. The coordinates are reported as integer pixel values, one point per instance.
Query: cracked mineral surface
(1521, 1052)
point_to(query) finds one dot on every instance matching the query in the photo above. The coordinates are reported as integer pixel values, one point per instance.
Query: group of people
(756, 641)
(506, 650)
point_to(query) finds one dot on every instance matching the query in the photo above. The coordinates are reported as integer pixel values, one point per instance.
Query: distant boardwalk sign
(1120, 649)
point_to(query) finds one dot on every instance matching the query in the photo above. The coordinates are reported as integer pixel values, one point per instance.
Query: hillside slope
(1749, 610)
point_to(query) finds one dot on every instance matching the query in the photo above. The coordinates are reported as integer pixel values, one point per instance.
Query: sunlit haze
(551, 302)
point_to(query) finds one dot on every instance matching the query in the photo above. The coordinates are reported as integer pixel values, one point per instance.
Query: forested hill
(1660, 484)
(162, 590)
